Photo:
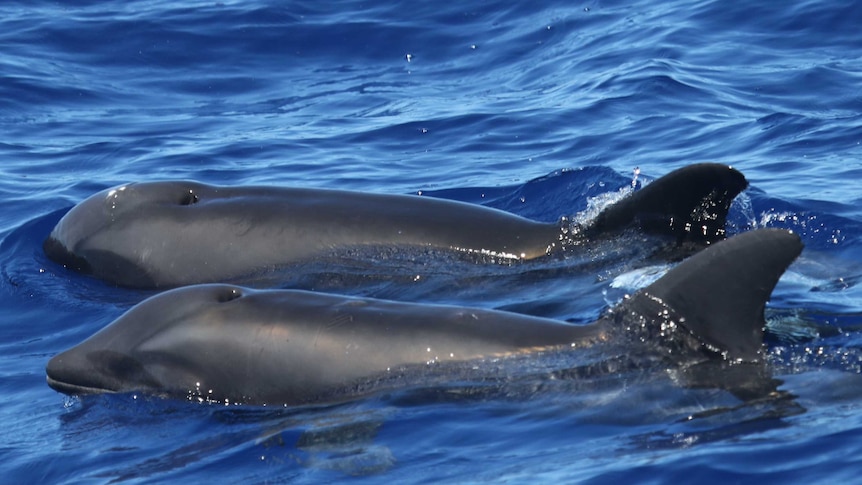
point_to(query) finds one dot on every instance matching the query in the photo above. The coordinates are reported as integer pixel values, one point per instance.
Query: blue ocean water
(539, 110)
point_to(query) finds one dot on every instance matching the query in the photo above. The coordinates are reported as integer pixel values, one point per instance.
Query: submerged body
(228, 343)
(166, 234)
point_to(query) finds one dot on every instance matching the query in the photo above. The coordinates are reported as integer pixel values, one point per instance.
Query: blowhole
(229, 294)
(189, 198)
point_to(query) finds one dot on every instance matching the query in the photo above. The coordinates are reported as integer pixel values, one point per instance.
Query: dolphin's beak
(67, 374)
(79, 371)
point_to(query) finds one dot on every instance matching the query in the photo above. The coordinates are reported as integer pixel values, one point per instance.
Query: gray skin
(288, 347)
(167, 234)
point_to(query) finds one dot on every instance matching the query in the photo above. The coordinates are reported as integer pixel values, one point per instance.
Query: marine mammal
(166, 234)
(229, 343)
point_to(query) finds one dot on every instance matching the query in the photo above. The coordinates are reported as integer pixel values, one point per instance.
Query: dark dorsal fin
(719, 293)
(689, 204)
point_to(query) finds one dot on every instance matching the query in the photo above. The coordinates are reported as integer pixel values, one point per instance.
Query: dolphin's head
(103, 234)
(151, 348)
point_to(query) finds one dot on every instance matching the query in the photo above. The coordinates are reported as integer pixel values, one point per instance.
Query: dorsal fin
(719, 293)
(689, 204)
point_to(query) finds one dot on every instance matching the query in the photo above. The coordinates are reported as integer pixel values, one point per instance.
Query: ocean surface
(543, 109)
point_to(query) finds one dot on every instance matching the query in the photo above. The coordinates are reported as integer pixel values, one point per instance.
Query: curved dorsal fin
(719, 293)
(689, 204)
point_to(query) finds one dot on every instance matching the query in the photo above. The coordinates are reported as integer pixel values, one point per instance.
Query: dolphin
(168, 234)
(289, 347)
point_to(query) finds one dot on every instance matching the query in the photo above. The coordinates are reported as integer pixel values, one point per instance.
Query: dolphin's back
(165, 234)
(292, 347)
